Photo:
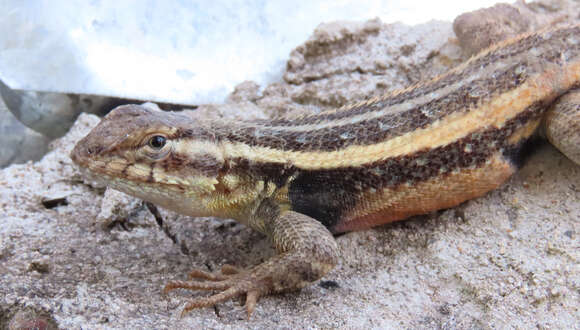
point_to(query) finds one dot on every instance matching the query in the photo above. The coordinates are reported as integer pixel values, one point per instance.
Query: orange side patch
(389, 205)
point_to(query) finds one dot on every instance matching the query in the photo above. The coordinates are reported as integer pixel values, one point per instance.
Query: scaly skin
(431, 146)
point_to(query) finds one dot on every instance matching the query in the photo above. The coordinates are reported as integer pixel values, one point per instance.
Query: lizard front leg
(562, 125)
(306, 252)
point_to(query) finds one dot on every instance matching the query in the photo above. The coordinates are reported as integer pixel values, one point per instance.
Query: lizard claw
(251, 300)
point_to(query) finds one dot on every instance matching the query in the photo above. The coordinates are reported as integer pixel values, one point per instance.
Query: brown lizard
(301, 180)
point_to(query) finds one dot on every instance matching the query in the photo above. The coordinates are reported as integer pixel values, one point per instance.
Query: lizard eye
(157, 141)
(157, 147)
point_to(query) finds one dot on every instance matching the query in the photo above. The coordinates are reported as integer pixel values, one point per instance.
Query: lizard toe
(209, 276)
(231, 282)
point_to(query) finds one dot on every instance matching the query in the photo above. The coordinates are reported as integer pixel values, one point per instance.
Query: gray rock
(19, 143)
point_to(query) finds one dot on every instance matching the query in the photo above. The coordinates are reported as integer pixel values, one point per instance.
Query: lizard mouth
(86, 156)
(78, 156)
(97, 180)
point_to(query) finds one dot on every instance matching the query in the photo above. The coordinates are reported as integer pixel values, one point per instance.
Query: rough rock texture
(345, 62)
(74, 256)
(481, 28)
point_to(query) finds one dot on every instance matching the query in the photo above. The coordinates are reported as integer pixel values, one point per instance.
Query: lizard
(301, 180)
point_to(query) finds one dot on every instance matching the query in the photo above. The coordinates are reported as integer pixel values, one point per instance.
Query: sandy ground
(75, 256)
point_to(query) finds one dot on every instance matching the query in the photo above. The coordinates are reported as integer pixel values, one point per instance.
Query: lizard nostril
(95, 149)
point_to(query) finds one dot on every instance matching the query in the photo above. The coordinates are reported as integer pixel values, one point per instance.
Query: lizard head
(154, 155)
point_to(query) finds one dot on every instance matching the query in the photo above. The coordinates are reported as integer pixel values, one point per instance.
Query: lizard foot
(231, 281)
(306, 251)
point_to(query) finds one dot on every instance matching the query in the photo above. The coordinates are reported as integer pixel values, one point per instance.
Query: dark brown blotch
(204, 163)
